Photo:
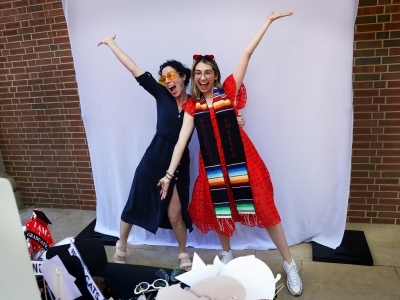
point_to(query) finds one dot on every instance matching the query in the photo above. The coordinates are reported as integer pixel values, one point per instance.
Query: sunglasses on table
(161, 274)
(170, 76)
(145, 286)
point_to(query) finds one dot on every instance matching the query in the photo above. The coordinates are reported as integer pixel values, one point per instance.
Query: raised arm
(241, 67)
(123, 57)
(184, 136)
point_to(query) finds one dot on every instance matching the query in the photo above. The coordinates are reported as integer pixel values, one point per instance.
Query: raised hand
(164, 183)
(273, 16)
(106, 40)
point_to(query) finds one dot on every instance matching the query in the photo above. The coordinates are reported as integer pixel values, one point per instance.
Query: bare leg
(294, 283)
(278, 237)
(178, 225)
(225, 242)
(124, 229)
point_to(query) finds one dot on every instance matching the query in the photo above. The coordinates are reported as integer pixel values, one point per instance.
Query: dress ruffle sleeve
(229, 87)
(189, 106)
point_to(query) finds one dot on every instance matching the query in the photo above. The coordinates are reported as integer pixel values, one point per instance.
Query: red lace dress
(201, 208)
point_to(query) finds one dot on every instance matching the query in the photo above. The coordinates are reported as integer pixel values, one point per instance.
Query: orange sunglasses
(170, 75)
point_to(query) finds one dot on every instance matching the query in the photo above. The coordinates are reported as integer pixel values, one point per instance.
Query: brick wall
(42, 138)
(375, 184)
(43, 142)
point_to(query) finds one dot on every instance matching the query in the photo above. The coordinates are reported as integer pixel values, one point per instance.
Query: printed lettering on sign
(36, 264)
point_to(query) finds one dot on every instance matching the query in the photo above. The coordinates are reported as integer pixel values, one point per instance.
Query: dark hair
(179, 67)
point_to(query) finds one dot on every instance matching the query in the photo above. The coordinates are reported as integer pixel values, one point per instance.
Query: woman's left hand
(273, 16)
(164, 183)
(240, 119)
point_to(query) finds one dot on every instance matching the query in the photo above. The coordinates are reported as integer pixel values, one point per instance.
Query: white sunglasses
(144, 286)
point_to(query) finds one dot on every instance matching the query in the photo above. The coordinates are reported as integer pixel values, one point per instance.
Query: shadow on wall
(14, 185)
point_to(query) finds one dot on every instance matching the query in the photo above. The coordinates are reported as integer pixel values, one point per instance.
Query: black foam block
(92, 252)
(89, 233)
(353, 250)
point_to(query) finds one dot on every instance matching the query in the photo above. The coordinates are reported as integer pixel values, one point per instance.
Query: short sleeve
(229, 87)
(147, 81)
(189, 106)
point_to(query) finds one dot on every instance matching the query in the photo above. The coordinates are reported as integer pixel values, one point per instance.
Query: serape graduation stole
(233, 152)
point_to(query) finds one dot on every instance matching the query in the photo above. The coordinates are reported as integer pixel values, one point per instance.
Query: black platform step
(353, 250)
(89, 233)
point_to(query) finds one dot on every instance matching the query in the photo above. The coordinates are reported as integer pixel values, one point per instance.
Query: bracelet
(168, 173)
(166, 176)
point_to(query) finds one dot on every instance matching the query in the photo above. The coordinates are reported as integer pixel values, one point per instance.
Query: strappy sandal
(119, 254)
(186, 263)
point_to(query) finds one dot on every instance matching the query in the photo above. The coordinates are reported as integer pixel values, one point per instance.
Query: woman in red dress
(233, 183)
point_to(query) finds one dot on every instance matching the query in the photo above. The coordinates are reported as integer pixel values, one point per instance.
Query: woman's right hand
(164, 183)
(107, 40)
(273, 16)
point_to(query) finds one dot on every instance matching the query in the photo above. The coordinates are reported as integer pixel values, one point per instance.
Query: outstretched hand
(106, 40)
(273, 16)
(164, 183)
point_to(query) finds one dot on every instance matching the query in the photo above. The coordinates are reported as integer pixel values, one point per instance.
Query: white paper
(68, 288)
(251, 272)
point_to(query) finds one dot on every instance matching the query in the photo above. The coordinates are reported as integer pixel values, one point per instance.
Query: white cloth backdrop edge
(299, 84)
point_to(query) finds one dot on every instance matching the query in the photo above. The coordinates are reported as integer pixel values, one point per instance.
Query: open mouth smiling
(172, 88)
(203, 86)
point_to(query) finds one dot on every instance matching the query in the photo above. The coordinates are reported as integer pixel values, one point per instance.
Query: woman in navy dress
(144, 207)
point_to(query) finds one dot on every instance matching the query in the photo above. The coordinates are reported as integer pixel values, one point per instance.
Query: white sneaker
(226, 256)
(294, 284)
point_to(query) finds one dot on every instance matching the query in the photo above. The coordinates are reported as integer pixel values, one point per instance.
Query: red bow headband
(199, 56)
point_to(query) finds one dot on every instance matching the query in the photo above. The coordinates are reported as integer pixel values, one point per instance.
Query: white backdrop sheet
(299, 112)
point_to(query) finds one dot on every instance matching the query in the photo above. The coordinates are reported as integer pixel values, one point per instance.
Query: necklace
(180, 106)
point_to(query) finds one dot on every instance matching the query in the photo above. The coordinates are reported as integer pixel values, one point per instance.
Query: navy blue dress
(144, 207)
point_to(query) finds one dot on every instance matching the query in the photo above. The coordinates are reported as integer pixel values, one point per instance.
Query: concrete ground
(323, 281)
